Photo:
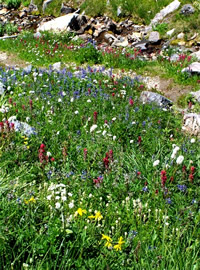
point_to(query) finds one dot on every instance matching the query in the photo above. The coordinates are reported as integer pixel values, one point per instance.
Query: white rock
(154, 37)
(180, 36)
(196, 95)
(196, 55)
(170, 32)
(56, 66)
(193, 68)
(192, 123)
(58, 24)
(165, 11)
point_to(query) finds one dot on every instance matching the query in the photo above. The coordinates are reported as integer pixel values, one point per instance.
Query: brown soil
(11, 60)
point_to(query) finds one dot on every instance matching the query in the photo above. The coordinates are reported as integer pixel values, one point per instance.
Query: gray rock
(2, 88)
(28, 69)
(187, 9)
(56, 66)
(58, 24)
(192, 68)
(66, 10)
(174, 57)
(151, 97)
(154, 37)
(180, 36)
(77, 22)
(196, 54)
(119, 11)
(196, 95)
(165, 11)
(120, 43)
(37, 35)
(170, 32)
(192, 123)
(141, 45)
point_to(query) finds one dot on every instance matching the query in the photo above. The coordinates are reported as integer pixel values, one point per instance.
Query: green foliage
(94, 7)
(10, 28)
(161, 28)
(13, 4)
(2, 30)
(54, 8)
(39, 224)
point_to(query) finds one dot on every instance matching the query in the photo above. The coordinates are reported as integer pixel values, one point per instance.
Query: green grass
(40, 196)
(51, 48)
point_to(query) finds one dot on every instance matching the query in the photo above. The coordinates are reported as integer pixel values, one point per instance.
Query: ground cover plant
(51, 48)
(91, 178)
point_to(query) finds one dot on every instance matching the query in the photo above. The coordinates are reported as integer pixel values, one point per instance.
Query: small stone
(37, 35)
(193, 68)
(154, 37)
(180, 36)
(56, 66)
(187, 9)
(196, 55)
(151, 97)
(196, 95)
(170, 32)
(174, 57)
(192, 123)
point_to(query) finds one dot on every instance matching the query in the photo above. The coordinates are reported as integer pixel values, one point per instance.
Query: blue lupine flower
(168, 201)
(182, 187)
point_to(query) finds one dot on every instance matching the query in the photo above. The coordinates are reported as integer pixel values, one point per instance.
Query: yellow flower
(26, 139)
(26, 202)
(97, 216)
(25, 142)
(117, 247)
(120, 241)
(28, 147)
(32, 199)
(106, 237)
(80, 212)
(108, 244)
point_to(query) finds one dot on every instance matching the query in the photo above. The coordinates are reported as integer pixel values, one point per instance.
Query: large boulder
(72, 21)
(165, 11)
(151, 97)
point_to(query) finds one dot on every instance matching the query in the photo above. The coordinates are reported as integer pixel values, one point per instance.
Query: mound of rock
(151, 97)
(192, 124)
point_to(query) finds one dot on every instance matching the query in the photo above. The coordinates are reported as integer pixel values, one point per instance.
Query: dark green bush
(13, 4)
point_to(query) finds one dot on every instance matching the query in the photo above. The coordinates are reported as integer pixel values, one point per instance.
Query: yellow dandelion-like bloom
(120, 241)
(118, 247)
(98, 216)
(106, 237)
(80, 212)
(32, 199)
(108, 244)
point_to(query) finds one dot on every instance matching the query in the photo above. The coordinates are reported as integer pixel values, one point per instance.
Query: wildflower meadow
(92, 178)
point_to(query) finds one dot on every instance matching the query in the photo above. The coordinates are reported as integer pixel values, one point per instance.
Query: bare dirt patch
(11, 60)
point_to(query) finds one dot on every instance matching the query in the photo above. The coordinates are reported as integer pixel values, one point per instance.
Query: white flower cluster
(22, 127)
(175, 150)
(2, 88)
(180, 158)
(58, 194)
